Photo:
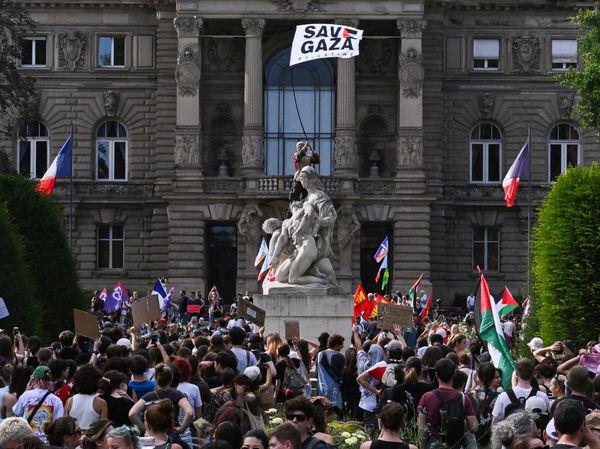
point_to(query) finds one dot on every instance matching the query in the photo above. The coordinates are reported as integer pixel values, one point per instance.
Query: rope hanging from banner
(296, 104)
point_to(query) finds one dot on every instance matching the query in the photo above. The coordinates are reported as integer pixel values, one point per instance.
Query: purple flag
(116, 298)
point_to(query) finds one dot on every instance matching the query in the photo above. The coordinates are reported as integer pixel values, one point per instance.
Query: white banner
(324, 40)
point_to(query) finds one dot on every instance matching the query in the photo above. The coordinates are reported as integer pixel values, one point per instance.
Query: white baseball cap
(537, 405)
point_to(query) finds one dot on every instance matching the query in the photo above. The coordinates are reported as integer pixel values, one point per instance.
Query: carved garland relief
(411, 73)
(72, 50)
(187, 73)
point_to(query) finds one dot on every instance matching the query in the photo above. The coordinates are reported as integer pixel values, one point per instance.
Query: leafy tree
(38, 221)
(566, 258)
(16, 283)
(587, 80)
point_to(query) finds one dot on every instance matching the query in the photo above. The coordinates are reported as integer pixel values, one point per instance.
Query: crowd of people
(196, 379)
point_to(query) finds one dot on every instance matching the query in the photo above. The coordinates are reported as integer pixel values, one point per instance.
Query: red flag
(425, 310)
(360, 300)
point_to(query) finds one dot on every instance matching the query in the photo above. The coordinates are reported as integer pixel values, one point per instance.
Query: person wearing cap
(579, 386)
(330, 367)
(37, 404)
(535, 343)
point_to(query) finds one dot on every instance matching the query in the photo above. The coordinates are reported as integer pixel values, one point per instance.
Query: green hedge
(37, 219)
(566, 258)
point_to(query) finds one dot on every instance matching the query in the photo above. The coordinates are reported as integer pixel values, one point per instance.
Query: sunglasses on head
(297, 417)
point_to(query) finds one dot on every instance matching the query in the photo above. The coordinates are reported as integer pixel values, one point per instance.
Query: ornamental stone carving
(410, 149)
(375, 56)
(254, 27)
(526, 53)
(188, 26)
(187, 73)
(295, 6)
(72, 50)
(345, 151)
(110, 99)
(412, 29)
(486, 105)
(565, 104)
(186, 150)
(249, 225)
(252, 150)
(411, 73)
(224, 55)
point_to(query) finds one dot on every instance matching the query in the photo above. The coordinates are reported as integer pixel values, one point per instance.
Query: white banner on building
(324, 40)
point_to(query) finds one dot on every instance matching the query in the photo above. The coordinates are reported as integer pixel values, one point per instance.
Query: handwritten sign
(292, 329)
(251, 312)
(3, 310)
(145, 310)
(389, 315)
(86, 324)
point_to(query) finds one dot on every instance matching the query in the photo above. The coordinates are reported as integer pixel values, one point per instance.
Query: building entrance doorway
(221, 259)
(372, 234)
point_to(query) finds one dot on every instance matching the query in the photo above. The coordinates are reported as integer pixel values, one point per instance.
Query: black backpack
(452, 420)
(517, 403)
(483, 412)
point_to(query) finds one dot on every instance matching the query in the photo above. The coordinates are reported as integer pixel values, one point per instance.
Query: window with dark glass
(111, 152)
(486, 54)
(486, 154)
(110, 246)
(111, 51)
(486, 248)
(33, 51)
(313, 83)
(563, 149)
(33, 149)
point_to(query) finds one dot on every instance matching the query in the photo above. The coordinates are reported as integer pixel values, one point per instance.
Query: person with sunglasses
(64, 433)
(299, 411)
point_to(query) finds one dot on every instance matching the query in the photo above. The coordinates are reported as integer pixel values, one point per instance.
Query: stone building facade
(183, 122)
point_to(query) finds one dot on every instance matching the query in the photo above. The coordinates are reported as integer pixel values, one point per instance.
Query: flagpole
(71, 193)
(529, 187)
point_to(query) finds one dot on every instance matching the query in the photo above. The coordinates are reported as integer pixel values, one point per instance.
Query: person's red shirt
(431, 404)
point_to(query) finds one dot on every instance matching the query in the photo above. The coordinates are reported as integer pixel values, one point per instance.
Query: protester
(113, 386)
(86, 406)
(158, 420)
(124, 437)
(391, 420)
(96, 436)
(330, 367)
(285, 436)
(299, 411)
(64, 433)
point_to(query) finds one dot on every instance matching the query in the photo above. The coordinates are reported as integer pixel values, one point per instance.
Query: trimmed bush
(566, 258)
(47, 252)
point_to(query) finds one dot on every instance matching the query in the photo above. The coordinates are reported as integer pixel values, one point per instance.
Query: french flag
(60, 168)
(519, 169)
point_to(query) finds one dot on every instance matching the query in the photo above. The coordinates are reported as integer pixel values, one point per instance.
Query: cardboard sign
(145, 310)
(251, 312)
(292, 329)
(390, 314)
(86, 324)
(3, 310)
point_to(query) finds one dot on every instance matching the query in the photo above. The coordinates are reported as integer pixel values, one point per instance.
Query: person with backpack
(330, 367)
(289, 381)
(443, 412)
(483, 397)
(515, 398)
(300, 412)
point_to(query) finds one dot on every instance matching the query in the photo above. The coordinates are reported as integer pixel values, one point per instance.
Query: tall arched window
(563, 148)
(111, 152)
(34, 150)
(486, 153)
(315, 95)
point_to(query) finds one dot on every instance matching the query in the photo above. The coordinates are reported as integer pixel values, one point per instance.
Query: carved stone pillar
(253, 132)
(410, 107)
(346, 151)
(188, 133)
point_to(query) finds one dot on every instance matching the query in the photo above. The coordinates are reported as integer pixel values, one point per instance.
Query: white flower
(360, 436)
(350, 441)
(346, 435)
(271, 411)
(276, 421)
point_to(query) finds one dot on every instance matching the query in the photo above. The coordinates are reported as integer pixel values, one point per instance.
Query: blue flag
(159, 289)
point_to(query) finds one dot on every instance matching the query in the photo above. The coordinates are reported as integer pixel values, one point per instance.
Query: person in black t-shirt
(569, 420)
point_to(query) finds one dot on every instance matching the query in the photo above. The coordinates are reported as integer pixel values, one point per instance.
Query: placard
(86, 324)
(145, 310)
(251, 312)
(193, 308)
(292, 329)
(390, 314)
(3, 310)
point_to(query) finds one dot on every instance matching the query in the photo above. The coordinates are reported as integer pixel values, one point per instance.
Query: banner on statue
(292, 329)
(389, 314)
(324, 40)
(3, 310)
(145, 310)
(251, 312)
(86, 324)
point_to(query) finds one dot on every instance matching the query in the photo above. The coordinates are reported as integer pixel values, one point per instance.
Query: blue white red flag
(262, 252)
(266, 266)
(519, 169)
(382, 250)
(61, 167)
(159, 290)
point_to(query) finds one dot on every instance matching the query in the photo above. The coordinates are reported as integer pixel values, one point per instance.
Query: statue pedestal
(317, 312)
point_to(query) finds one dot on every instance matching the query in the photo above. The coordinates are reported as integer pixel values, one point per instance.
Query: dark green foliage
(587, 81)
(16, 283)
(566, 258)
(38, 221)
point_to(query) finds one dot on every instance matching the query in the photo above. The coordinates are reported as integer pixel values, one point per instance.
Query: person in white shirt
(471, 302)
(522, 391)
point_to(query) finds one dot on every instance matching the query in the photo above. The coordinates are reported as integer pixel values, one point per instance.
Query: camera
(15, 330)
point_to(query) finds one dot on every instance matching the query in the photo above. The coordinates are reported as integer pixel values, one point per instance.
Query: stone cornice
(507, 5)
(117, 4)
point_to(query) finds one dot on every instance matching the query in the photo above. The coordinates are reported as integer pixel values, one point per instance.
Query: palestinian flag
(412, 292)
(507, 304)
(490, 331)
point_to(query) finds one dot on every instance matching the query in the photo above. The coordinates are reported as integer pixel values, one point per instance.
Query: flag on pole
(373, 305)
(266, 266)
(167, 302)
(490, 331)
(519, 169)
(159, 290)
(412, 292)
(103, 295)
(360, 298)
(425, 311)
(61, 167)
(382, 250)
(262, 252)
(507, 303)
(383, 266)
(386, 276)
(115, 299)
